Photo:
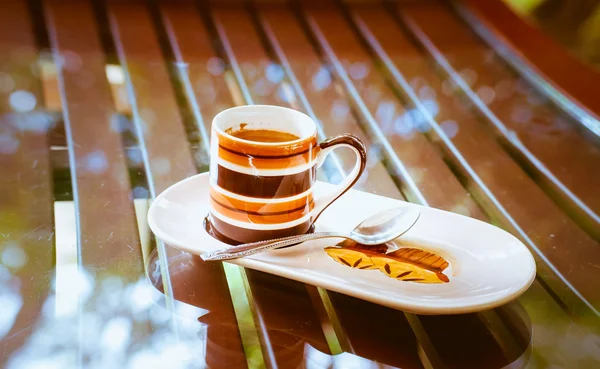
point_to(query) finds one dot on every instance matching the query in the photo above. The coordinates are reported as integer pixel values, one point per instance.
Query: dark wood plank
(108, 239)
(26, 206)
(473, 349)
(203, 73)
(168, 159)
(530, 126)
(566, 73)
(155, 106)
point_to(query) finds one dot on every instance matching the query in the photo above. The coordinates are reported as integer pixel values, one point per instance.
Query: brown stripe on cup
(259, 149)
(235, 235)
(262, 207)
(266, 187)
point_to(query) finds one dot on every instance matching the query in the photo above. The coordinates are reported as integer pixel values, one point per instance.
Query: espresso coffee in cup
(263, 135)
(262, 171)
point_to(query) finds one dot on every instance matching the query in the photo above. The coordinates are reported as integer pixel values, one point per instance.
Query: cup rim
(272, 107)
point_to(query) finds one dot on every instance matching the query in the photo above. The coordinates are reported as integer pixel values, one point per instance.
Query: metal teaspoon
(376, 229)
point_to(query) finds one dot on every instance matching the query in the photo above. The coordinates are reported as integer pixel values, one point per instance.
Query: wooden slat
(547, 143)
(168, 159)
(472, 350)
(108, 239)
(26, 220)
(380, 334)
(156, 108)
(289, 317)
(529, 46)
(201, 70)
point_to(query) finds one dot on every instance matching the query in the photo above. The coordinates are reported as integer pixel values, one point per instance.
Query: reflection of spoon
(376, 229)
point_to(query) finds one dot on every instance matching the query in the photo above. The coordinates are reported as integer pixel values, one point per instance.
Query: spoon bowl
(385, 226)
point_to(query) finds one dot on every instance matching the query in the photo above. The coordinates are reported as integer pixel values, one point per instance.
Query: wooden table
(104, 104)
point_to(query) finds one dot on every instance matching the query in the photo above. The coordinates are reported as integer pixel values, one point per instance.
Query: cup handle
(327, 146)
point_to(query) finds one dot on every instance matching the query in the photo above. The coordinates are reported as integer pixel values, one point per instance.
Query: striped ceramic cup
(262, 190)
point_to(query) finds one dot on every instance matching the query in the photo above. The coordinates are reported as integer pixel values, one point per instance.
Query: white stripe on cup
(266, 172)
(235, 196)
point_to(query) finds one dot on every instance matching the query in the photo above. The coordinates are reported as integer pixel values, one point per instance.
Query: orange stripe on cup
(255, 218)
(264, 207)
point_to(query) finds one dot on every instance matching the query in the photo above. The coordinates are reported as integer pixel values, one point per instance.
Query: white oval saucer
(488, 266)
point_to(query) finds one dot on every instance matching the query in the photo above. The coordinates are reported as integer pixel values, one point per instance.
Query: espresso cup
(261, 189)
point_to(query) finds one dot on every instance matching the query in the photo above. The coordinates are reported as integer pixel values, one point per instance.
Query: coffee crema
(262, 135)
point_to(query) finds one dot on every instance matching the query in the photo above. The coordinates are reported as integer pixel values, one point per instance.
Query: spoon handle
(248, 249)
